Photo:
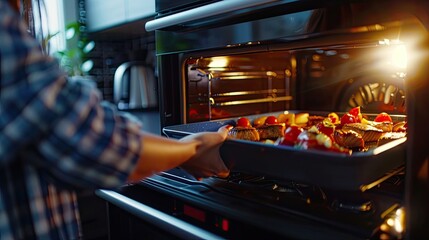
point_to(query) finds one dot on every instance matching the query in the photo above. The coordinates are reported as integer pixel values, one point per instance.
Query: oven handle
(168, 223)
(209, 10)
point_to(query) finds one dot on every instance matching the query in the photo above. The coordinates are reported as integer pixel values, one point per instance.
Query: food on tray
(314, 139)
(390, 136)
(287, 118)
(384, 126)
(291, 135)
(315, 119)
(368, 132)
(259, 121)
(271, 129)
(301, 119)
(354, 126)
(348, 139)
(348, 118)
(353, 131)
(382, 121)
(326, 126)
(400, 127)
(383, 117)
(244, 131)
(356, 113)
(243, 122)
(334, 118)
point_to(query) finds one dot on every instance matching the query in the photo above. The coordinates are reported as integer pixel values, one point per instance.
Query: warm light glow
(218, 62)
(395, 224)
(399, 220)
(271, 74)
(399, 56)
(398, 226)
(399, 212)
(394, 55)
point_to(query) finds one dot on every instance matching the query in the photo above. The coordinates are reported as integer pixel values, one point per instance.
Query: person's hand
(207, 161)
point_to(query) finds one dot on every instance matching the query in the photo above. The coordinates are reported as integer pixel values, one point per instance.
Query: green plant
(74, 58)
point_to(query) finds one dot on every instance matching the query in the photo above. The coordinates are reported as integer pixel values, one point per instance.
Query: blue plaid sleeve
(77, 137)
(92, 144)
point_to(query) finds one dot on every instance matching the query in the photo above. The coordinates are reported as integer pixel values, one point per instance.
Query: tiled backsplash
(108, 55)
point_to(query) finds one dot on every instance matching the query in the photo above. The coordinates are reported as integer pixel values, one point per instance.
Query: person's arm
(198, 154)
(72, 136)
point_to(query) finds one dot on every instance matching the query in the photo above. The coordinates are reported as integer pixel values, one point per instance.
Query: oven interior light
(394, 225)
(395, 54)
(218, 62)
(399, 56)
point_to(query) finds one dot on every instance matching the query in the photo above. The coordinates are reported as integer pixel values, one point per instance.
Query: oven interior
(366, 64)
(319, 78)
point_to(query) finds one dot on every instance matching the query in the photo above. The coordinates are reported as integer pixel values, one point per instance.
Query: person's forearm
(160, 154)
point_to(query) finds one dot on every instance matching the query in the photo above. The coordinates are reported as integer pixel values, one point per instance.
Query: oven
(221, 60)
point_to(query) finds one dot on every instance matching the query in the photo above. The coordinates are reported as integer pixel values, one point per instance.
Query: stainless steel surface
(260, 100)
(161, 220)
(202, 12)
(134, 86)
(363, 188)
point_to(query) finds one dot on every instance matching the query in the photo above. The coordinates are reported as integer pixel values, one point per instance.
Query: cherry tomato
(326, 127)
(243, 122)
(291, 135)
(348, 118)
(356, 112)
(271, 120)
(383, 117)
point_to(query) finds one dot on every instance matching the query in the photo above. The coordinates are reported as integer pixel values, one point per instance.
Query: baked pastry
(384, 126)
(271, 129)
(244, 133)
(368, 133)
(348, 139)
(390, 136)
(314, 120)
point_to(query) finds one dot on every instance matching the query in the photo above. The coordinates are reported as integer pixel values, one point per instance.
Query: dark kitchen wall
(116, 45)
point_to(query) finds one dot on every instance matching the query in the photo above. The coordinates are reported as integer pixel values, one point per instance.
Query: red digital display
(225, 225)
(194, 213)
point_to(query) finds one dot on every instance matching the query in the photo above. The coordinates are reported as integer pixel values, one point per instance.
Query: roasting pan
(358, 171)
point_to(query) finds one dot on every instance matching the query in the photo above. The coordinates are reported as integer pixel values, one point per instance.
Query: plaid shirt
(56, 137)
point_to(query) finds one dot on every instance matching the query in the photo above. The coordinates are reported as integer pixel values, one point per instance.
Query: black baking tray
(316, 167)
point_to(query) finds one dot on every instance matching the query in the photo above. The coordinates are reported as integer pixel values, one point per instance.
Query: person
(58, 137)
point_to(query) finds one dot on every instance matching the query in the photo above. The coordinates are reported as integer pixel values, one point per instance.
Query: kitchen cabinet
(105, 14)
(138, 9)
